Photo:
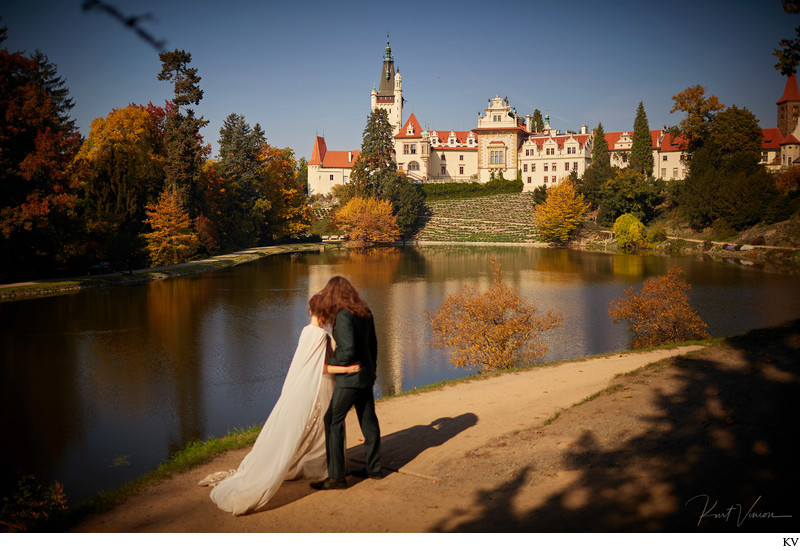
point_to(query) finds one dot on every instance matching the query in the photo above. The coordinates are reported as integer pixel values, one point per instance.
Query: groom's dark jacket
(355, 342)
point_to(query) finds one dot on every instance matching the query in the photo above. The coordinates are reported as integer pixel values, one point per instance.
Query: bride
(291, 444)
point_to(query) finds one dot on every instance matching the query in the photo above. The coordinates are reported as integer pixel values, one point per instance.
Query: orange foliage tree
(282, 209)
(493, 330)
(660, 312)
(366, 221)
(173, 238)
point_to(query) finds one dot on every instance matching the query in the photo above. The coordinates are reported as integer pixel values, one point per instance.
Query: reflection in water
(101, 386)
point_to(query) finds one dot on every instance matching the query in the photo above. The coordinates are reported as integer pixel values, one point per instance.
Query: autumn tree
(173, 238)
(700, 112)
(660, 313)
(562, 212)
(124, 171)
(642, 147)
(492, 330)
(375, 174)
(629, 231)
(39, 193)
(185, 153)
(367, 221)
(789, 54)
(281, 209)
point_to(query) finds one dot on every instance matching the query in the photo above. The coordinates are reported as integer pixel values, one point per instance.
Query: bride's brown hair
(339, 294)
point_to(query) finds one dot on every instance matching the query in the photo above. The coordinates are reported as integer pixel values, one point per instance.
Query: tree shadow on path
(716, 452)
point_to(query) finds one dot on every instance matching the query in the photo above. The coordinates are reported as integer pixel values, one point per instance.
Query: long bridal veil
(291, 444)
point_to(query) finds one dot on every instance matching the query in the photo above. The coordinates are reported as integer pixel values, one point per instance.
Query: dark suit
(355, 342)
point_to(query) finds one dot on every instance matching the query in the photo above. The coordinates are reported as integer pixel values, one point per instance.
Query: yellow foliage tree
(629, 231)
(660, 312)
(367, 221)
(493, 330)
(562, 212)
(173, 238)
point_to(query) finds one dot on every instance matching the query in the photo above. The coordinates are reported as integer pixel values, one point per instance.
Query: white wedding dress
(291, 445)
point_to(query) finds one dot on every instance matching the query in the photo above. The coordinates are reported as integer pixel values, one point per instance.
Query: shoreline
(745, 256)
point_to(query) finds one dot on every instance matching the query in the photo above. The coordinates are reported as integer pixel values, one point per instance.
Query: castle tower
(789, 106)
(389, 95)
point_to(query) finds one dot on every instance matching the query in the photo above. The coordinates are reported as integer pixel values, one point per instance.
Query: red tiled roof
(773, 139)
(403, 133)
(673, 144)
(319, 151)
(539, 141)
(340, 159)
(331, 159)
(444, 139)
(790, 92)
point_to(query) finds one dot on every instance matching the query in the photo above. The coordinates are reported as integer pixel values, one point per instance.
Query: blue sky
(303, 69)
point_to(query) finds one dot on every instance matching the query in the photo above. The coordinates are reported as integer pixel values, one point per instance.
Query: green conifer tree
(642, 148)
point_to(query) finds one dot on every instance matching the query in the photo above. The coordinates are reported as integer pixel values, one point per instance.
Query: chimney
(349, 156)
(529, 123)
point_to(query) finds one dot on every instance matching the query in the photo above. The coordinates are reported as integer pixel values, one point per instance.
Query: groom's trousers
(341, 402)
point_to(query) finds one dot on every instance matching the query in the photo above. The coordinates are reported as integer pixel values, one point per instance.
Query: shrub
(493, 330)
(656, 235)
(629, 231)
(31, 506)
(660, 312)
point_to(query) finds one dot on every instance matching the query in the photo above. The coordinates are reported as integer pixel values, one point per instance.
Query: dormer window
(410, 130)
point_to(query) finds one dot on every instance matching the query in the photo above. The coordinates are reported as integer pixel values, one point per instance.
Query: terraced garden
(495, 219)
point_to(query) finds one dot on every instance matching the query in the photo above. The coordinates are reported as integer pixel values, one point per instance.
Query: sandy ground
(670, 448)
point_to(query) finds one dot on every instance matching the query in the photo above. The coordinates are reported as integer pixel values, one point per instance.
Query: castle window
(533, 167)
(575, 167)
(460, 157)
(444, 170)
(529, 179)
(405, 149)
(554, 167)
(461, 170)
(566, 166)
(496, 157)
(413, 165)
(331, 176)
(413, 149)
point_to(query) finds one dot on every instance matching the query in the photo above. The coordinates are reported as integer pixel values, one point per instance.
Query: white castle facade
(504, 143)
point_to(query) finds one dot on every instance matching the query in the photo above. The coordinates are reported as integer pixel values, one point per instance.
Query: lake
(101, 386)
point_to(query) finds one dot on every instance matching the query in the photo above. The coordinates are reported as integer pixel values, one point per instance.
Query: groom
(354, 334)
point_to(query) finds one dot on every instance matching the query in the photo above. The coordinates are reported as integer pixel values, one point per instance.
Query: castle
(504, 143)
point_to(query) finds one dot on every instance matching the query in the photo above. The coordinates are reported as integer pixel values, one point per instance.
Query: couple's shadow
(397, 450)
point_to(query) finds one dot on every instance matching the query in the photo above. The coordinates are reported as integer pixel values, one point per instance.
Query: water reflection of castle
(401, 285)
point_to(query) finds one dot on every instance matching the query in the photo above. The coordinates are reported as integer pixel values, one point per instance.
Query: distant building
(504, 143)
